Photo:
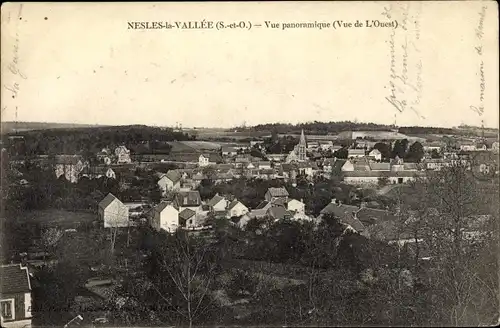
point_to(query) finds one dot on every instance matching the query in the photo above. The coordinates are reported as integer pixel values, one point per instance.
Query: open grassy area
(60, 218)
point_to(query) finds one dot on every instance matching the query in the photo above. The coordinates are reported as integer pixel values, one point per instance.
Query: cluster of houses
(363, 164)
(186, 210)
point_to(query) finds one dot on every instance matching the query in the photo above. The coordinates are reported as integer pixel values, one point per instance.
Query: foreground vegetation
(292, 273)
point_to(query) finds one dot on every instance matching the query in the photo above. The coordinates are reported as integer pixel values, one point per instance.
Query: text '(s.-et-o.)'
(248, 25)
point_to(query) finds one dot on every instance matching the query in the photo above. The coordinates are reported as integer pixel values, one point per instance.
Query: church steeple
(302, 138)
(301, 147)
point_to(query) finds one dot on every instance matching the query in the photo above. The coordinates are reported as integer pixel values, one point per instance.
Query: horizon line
(181, 125)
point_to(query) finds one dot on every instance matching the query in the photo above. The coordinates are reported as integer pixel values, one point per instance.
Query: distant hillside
(319, 128)
(140, 139)
(8, 127)
(334, 128)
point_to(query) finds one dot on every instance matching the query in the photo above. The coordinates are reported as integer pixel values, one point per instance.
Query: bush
(242, 283)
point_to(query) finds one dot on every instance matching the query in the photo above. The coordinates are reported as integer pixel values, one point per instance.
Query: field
(8, 127)
(60, 218)
(192, 146)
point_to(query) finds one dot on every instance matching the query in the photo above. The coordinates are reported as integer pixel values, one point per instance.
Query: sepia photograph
(249, 164)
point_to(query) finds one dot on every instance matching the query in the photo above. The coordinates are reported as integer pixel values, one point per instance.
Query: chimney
(334, 200)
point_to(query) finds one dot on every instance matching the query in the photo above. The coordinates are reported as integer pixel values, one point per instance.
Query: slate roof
(375, 174)
(338, 210)
(279, 202)
(14, 279)
(233, 204)
(356, 152)
(186, 214)
(258, 213)
(162, 206)
(380, 166)
(278, 213)
(107, 200)
(347, 214)
(360, 167)
(215, 200)
(278, 192)
(188, 198)
(353, 222)
(263, 205)
(174, 176)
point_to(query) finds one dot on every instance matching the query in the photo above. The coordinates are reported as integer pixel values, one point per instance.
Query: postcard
(293, 163)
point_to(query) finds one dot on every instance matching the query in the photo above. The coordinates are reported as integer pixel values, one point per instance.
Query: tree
(182, 270)
(399, 149)
(415, 152)
(453, 214)
(384, 149)
(116, 221)
(342, 153)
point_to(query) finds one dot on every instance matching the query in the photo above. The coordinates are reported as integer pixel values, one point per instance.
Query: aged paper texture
(249, 163)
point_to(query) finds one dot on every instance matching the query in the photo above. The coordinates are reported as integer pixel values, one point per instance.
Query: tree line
(83, 141)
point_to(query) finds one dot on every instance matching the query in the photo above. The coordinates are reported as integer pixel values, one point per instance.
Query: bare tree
(117, 218)
(190, 267)
(444, 210)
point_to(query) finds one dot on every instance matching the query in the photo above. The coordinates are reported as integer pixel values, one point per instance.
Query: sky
(79, 63)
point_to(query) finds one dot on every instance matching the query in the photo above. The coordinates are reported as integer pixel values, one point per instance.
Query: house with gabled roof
(375, 154)
(188, 199)
(347, 215)
(122, 155)
(353, 153)
(264, 165)
(69, 166)
(187, 218)
(275, 193)
(170, 181)
(236, 209)
(380, 166)
(99, 172)
(113, 212)
(229, 151)
(165, 217)
(217, 203)
(208, 159)
(295, 206)
(15, 296)
(279, 213)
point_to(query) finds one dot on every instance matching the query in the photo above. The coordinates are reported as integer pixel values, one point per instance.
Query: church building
(298, 154)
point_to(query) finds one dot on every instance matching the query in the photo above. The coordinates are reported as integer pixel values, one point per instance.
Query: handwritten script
(405, 76)
(479, 32)
(14, 85)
